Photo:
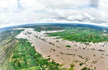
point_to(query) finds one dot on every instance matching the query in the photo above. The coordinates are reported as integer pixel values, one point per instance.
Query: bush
(68, 46)
(81, 64)
(85, 68)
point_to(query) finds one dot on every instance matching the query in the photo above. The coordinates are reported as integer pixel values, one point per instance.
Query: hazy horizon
(103, 25)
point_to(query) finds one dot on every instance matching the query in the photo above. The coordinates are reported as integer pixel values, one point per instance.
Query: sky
(17, 12)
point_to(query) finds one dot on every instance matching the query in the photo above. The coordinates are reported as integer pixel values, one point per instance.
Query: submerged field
(54, 47)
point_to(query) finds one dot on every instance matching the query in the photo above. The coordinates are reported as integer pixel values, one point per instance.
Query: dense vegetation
(82, 34)
(8, 33)
(26, 58)
(48, 28)
(43, 27)
(7, 44)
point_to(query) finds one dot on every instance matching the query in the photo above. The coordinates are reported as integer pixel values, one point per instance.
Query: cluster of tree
(47, 28)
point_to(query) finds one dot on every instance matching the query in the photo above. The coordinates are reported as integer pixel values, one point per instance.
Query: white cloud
(64, 3)
(15, 12)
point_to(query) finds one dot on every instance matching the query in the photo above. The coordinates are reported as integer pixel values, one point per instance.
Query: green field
(23, 56)
(7, 45)
(26, 58)
(82, 34)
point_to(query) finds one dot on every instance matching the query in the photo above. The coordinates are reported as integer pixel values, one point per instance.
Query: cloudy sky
(16, 12)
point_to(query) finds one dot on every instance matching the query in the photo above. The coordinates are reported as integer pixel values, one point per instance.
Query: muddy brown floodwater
(93, 56)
